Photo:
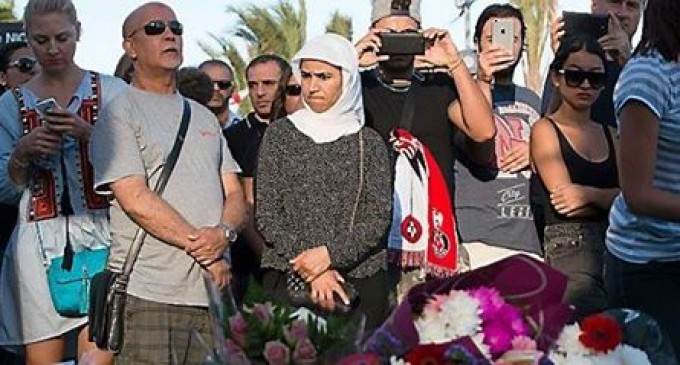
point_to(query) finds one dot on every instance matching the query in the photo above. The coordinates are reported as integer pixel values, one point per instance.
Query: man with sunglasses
(263, 74)
(624, 18)
(222, 77)
(441, 103)
(192, 224)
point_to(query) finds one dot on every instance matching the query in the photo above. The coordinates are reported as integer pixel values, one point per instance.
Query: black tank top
(602, 175)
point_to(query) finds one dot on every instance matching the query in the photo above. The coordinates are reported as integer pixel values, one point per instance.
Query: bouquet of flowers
(507, 312)
(615, 337)
(261, 332)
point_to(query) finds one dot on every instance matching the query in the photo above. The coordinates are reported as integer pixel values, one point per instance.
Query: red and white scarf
(423, 229)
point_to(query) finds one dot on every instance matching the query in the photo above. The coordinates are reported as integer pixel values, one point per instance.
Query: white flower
(569, 342)
(478, 339)
(633, 356)
(458, 317)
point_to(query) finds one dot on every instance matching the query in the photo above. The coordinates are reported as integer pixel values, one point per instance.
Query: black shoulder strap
(409, 110)
(160, 186)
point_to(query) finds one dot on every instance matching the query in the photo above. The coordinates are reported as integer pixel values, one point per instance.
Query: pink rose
(238, 359)
(276, 353)
(304, 353)
(295, 332)
(237, 329)
(235, 354)
(523, 343)
(262, 312)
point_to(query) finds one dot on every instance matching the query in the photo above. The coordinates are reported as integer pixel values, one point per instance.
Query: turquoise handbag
(69, 281)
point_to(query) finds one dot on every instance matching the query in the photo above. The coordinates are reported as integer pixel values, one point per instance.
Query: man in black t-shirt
(624, 18)
(443, 101)
(262, 75)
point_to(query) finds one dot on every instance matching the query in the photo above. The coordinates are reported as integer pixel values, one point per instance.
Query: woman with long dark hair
(575, 162)
(643, 240)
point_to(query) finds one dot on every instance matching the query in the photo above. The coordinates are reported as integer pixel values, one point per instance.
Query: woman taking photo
(44, 169)
(575, 162)
(643, 240)
(323, 191)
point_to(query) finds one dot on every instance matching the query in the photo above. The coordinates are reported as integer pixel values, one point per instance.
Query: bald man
(192, 224)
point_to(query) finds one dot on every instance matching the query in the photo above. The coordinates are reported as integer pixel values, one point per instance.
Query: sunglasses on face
(293, 90)
(575, 78)
(23, 64)
(222, 84)
(157, 27)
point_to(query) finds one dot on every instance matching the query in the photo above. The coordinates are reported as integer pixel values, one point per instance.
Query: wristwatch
(229, 232)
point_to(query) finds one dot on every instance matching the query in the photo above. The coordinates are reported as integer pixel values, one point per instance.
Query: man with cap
(441, 99)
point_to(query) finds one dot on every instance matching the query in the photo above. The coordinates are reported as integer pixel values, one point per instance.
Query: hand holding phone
(44, 106)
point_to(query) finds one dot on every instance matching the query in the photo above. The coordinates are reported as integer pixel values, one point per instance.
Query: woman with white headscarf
(323, 189)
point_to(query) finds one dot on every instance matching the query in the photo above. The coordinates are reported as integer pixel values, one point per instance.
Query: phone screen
(44, 106)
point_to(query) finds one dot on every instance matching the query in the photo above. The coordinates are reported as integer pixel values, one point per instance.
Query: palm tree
(537, 16)
(279, 30)
(7, 11)
(340, 24)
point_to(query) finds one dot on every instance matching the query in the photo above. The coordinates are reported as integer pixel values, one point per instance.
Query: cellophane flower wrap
(614, 337)
(262, 332)
(510, 309)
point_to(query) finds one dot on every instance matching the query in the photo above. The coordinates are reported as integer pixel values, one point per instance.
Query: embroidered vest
(42, 188)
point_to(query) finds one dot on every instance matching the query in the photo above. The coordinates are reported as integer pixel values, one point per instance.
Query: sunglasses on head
(23, 64)
(575, 78)
(157, 27)
(222, 84)
(293, 90)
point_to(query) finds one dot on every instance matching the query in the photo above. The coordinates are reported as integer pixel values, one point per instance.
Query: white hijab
(346, 116)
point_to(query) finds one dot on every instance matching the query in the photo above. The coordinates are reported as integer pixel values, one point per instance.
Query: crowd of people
(357, 175)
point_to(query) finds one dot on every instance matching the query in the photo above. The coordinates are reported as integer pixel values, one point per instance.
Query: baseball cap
(385, 8)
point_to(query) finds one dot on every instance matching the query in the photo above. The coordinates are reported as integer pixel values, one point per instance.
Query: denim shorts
(577, 250)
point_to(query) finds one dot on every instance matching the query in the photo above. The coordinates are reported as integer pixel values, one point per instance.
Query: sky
(100, 44)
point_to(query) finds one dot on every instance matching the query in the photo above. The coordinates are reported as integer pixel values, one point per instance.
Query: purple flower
(513, 318)
(262, 312)
(295, 332)
(490, 301)
(235, 354)
(304, 353)
(498, 336)
(276, 353)
(237, 329)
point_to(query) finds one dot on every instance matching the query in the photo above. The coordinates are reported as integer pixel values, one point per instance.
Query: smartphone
(402, 44)
(44, 106)
(594, 25)
(503, 33)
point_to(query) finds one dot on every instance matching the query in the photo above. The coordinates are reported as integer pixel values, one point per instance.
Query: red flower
(431, 354)
(600, 333)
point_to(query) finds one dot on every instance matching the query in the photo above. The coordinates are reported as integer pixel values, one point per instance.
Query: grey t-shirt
(134, 137)
(493, 206)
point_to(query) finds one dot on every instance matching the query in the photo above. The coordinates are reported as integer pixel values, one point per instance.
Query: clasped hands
(313, 265)
(207, 246)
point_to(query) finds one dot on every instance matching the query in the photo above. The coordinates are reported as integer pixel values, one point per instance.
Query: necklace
(397, 89)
